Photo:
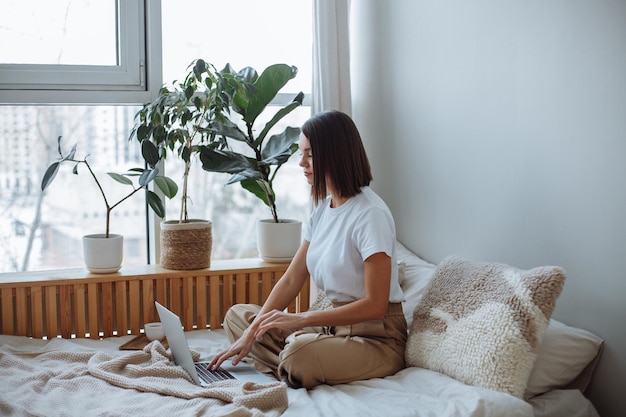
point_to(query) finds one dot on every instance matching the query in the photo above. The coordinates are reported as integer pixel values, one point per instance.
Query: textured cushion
(566, 359)
(481, 323)
(321, 302)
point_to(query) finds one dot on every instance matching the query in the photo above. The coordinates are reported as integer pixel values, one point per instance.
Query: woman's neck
(337, 201)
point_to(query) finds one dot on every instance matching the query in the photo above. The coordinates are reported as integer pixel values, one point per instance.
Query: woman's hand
(239, 349)
(242, 346)
(278, 319)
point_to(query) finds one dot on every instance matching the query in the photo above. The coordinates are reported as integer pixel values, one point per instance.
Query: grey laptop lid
(173, 329)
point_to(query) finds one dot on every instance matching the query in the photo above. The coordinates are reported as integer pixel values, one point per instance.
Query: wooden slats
(267, 282)
(202, 312)
(214, 302)
(36, 304)
(52, 329)
(6, 296)
(228, 297)
(65, 309)
(107, 309)
(134, 294)
(187, 310)
(114, 304)
(147, 301)
(253, 290)
(81, 310)
(241, 289)
(21, 306)
(175, 296)
(121, 308)
(92, 310)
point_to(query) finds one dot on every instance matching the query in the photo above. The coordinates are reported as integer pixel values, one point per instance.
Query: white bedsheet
(411, 392)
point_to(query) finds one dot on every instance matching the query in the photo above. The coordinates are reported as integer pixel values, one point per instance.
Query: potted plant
(103, 252)
(193, 116)
(252, 156)
(172, 123)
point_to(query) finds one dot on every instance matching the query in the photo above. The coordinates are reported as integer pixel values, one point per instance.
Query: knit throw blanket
(115, 384)
(480, 322)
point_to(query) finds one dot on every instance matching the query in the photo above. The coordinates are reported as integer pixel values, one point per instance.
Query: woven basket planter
(186, 245)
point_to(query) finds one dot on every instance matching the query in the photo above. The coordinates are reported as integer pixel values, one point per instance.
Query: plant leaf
(167, 186)
(72, 153)
(185, 153)
(120, 178)
(216, 160)
(155, 203)
(297, 101)
(229, 129)
(142, 132)
(269, 83)
(59, 146)
(199, 68)
(246, 174)
(147, 176)
(150, 153)
(255, 187)
(133, 172)
(49, 175)
(278, 149)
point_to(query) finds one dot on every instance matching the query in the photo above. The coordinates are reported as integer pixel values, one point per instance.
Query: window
(44, 231)
(87, 51)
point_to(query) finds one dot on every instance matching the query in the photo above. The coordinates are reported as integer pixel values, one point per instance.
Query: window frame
(135, 80)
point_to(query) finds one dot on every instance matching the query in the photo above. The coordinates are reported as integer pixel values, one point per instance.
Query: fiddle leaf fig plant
(240, 99)
(145, 177)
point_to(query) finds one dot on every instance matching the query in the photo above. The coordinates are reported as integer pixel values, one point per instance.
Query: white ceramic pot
(186, 246)
(278, 242)
(103, 255)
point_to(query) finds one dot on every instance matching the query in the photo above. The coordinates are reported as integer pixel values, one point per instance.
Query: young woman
(349, 251)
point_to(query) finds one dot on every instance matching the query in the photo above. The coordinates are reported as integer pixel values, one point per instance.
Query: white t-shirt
(342, 238)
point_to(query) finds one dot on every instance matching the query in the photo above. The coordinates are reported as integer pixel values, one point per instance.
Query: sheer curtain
(331, 56)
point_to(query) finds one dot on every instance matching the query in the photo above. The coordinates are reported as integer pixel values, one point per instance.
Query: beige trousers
(326, 355)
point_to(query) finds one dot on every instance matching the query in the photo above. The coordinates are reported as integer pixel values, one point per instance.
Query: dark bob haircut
(338, 155)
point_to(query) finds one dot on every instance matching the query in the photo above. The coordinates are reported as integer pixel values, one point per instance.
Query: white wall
(497, 131)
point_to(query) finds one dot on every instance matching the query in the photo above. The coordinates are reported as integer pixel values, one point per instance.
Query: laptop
(173, 329)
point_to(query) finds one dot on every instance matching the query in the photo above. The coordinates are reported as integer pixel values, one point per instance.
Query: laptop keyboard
(209, 375)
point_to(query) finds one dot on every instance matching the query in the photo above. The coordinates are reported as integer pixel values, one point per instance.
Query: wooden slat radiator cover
(75, 303)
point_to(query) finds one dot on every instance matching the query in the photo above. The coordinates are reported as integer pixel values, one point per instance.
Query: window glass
(44, 230)
(242, 32)
(69, 32)
(79, 51)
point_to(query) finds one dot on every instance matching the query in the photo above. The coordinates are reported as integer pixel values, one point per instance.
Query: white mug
(154, 331)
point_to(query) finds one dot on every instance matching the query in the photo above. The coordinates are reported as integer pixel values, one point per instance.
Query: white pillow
(417, 275)
(566, 358)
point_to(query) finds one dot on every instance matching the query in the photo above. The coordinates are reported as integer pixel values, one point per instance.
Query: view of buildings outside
(41, 231)
(44, 230)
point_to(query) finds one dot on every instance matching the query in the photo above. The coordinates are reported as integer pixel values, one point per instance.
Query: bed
(61, 336)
